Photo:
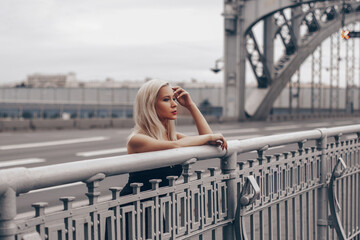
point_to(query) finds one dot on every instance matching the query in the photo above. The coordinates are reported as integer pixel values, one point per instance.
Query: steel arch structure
(301, 25)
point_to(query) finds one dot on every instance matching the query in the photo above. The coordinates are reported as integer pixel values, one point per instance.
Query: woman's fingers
(219, 140)
(177, 89)
(179, 92)
(183, 94)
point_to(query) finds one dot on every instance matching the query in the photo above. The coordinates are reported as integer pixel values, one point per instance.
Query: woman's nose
(173, 103)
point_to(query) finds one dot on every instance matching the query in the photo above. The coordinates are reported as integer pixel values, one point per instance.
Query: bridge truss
(290, 46)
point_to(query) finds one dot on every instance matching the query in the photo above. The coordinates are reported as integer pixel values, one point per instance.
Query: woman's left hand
(183, 97)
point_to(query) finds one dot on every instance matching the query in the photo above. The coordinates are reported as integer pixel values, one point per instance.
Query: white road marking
(16, 162)
(282, 127)
(343, 122)
(242, 137)
(317, 124)
(56, 187)
(102, 152)
(6, 134)
(52, 143)
(225, 131)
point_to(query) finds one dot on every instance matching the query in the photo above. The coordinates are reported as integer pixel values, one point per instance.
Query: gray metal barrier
(309, 192)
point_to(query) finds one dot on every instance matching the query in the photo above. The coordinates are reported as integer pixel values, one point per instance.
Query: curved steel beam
(266, 97)
(257, 10)
(333, 202)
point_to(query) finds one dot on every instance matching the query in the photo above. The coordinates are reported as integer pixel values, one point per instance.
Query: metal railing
(295, 194)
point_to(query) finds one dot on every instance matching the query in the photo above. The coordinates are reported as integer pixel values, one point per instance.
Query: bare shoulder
(135, 142)
(140, 143)
(138, 139)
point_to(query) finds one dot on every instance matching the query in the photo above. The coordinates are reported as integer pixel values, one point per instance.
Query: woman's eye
(166, 99)
(174, 99)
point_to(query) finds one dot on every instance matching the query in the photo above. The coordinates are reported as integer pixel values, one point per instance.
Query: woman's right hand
(217, 139)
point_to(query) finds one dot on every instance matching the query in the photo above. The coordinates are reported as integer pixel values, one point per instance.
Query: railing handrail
(23, 179)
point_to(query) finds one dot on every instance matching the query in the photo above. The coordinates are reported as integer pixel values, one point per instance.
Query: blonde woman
(155, 110)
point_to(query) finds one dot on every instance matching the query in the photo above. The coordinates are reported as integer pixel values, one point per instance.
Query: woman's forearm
(194, 140)
(201, 123)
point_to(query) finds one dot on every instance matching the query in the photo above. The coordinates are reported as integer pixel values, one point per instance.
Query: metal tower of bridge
(274, 38)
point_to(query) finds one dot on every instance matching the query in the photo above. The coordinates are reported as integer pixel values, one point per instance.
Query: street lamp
(216, 68)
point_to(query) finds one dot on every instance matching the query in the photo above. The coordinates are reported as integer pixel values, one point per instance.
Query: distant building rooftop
(51, 80)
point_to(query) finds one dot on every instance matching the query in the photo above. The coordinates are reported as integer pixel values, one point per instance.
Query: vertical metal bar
(357, 202)
(115, 196)
(347, 196)
(307, 215)
(338, 73)
(343, 203)
(287, 233)
(294, 222)
(7, 215)
(290, 95)
(228, 166)
(67, 202)
(298, 91)
(331, 71)
(301, 216)
(279, 217)
(320, 86)
(252, 227)
(312, 82)
(314, 200)
(347, 91)
(358, 68)
(173, 203)
(322, 191)
(261, 224)
(138, 219)
(155, 186)
(271, 225)
(352, 71)
(340, 197)
(352, 201)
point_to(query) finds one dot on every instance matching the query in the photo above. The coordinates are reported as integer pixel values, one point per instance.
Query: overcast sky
(121, 39)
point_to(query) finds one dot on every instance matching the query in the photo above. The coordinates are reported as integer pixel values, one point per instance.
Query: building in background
(39, 80)
(53, 95)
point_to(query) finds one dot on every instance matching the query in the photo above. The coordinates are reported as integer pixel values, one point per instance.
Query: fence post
(228, 166)
(7, 215)
(322, 204)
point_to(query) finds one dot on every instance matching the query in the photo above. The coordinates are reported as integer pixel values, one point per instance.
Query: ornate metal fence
(311, 191)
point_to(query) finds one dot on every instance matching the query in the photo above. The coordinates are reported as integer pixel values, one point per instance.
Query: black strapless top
(145, 176)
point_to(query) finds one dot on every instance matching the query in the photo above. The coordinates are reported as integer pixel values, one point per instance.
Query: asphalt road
(40, 148)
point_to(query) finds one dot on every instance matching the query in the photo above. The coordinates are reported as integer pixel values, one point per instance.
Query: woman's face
(166, 107)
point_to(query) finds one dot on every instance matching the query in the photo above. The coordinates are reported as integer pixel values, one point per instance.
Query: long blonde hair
(145, 116)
